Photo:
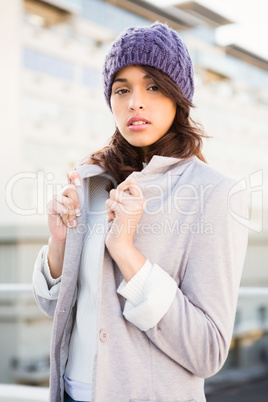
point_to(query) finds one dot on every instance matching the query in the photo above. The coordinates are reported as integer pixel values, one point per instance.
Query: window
(47, 64)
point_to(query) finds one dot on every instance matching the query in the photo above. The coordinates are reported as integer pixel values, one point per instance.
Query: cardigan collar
(157, 165)
(161, 164)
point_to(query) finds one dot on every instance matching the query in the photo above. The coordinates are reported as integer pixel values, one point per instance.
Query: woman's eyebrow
(119, 80)
(145, 77)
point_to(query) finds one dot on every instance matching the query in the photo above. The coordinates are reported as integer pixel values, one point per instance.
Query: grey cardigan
(188, 229)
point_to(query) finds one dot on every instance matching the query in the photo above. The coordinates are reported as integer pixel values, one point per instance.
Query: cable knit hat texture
(156, 46)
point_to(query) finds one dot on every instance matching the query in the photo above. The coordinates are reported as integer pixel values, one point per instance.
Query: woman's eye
(153, 88)
(121, 91)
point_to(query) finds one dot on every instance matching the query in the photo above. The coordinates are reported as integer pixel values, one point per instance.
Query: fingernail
(72, 224)
(77, 182)
(77, 212)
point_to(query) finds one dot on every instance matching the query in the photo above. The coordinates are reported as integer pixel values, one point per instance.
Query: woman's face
(142, 113)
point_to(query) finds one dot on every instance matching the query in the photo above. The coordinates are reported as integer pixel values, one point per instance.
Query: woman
(143, 265)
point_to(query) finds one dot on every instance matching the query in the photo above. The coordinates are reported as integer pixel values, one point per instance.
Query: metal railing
(15, 288)
(22, 393)
(26, 288)
(250, 292)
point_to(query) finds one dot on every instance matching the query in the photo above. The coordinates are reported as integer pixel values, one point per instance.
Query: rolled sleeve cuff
(155, 299)
(43, 287)
(133, 290)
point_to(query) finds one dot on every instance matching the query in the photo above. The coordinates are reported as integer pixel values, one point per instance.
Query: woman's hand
(124, 208)
(62, 211)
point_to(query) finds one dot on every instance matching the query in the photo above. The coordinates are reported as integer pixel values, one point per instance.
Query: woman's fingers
(66, 204)
(66, 209)
(59, 207)
(74, 178)
(110, 207)
(127, 199)
(131, 187)
(71, 200)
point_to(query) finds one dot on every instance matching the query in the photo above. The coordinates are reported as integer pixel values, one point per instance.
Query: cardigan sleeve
(196, 329)
(45, 288)
(149, 295)
(151, 286)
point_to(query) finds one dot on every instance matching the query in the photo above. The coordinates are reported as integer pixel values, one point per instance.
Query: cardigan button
(104, 335)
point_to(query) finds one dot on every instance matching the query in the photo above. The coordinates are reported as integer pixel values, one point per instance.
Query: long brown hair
(183, 139)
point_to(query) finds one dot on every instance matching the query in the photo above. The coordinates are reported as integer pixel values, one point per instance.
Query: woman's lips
(137, 123)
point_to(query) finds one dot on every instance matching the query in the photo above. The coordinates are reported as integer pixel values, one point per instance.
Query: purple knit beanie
(156, 46)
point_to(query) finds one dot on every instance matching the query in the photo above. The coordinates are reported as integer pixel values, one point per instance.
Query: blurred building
(53, 114)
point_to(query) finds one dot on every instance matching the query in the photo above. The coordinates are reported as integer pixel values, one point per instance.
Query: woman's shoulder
(201, 178)
(204, 173)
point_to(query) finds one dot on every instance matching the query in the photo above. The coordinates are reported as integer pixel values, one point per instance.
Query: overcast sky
(251, 22)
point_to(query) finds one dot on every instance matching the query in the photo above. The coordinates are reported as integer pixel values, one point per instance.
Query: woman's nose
(136, 101)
